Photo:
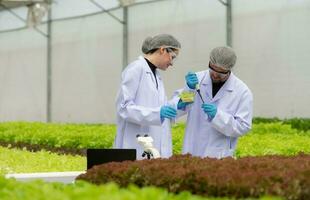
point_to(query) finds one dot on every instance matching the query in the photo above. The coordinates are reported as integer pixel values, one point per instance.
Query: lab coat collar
(228, 86)
(148, 69)
(230, 82)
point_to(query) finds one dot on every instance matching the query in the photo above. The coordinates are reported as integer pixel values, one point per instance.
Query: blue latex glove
(181, 105)
(191, 80)
(167, 112)
(209, 109)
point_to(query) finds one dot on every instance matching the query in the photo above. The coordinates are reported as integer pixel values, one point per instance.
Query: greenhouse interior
(154, 99)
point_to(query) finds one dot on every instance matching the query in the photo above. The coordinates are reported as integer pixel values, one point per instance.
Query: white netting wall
(270, 38)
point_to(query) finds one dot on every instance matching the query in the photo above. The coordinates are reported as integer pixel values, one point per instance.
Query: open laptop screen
(100, 156)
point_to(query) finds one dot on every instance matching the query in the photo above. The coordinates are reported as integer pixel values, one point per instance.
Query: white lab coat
(217, 138)
(138, 109)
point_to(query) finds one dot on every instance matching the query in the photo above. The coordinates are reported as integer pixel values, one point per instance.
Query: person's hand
(167, 112)
(181, 105)
(209, 109)
(191, 80)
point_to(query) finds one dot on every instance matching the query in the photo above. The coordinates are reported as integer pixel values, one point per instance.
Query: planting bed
(284, 176)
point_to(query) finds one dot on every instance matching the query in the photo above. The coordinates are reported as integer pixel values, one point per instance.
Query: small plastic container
(187, 96)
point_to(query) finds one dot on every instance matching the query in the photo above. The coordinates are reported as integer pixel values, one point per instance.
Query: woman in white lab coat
(141, 104)
(214, 126)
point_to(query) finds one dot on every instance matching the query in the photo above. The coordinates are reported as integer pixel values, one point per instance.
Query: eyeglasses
(172, 53)
(220, 74)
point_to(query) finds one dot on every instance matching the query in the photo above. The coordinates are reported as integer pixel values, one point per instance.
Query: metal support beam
(228, 4)
(124, 22)
(21, 19)
(107, 11)
(222, 2)
(125, 36)
(49, 67)
(229, 23)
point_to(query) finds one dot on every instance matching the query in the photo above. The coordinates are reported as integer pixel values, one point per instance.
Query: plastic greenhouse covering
(82, 56)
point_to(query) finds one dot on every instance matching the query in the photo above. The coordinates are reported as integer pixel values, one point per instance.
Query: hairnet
(223, 57)
(151, 43)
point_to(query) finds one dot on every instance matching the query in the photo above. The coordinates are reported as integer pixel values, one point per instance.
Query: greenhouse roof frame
(11, 5)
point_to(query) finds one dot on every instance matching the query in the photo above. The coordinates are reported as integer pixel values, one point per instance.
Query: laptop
(100, 156)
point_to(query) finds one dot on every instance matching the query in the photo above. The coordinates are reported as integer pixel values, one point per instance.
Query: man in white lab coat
(141, 104)
(222, 114)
